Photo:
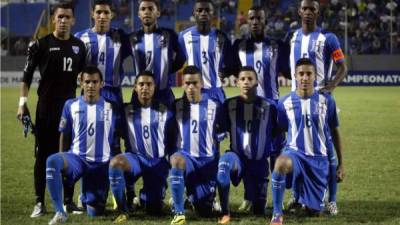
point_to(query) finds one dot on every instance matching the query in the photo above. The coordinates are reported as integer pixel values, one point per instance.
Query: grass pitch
(370, 193)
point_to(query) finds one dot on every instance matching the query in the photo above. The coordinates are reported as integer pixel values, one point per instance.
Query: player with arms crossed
(323, 49)
(88, 124)
(251, 123)
(156, 49)
(208, 49)
(60, 58)
(194, 165)
(269, 59)
(148, 141)
(311, 122)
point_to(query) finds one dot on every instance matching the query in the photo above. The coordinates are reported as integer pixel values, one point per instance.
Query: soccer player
(148, 142)
(323, 49)
(156, 49)
(107, 48)
(208, 49)
(88, 123)
(194, 165)
(60, 58)
(269, 59)
(251, 123)
(311, 122)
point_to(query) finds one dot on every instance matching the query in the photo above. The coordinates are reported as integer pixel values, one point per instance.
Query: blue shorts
(309, 178)
(216, 94)
(200, 177)
(254, 174)
(154, 173)
(95, 182)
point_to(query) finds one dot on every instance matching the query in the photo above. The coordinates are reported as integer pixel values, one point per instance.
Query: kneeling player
(89, 122)
(195, 163)
(308, 117)
(147, 122)
(251, 121)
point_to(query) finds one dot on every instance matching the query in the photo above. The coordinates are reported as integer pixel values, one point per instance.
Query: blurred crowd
(373, 26)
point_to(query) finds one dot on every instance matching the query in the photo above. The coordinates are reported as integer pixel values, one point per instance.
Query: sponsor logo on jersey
(54, 49)
(75, 49)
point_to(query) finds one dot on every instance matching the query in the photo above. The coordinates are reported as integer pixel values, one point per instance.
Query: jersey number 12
(67, 64)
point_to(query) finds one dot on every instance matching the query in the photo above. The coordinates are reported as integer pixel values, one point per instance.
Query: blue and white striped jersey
(157, 52)
(210, 53)
(198, 126)
(308, 122)
(268, 58)
(250, 126)
(107, 52)
(322, 48)
(147, 129)
(91, 127)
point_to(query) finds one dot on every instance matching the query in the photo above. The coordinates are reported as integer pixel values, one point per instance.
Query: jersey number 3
(67, 64)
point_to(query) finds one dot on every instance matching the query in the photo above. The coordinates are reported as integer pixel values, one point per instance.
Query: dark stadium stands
(368, 21)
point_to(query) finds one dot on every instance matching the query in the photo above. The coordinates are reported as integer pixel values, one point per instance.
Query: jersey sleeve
(227, 68)
(283, 65)
(182, 47)
(221, 123)
(32, 61)
(333, 48)
(236, 64)
(65, 126)
(82, 60)
(282, 118)
(333, 120)
(179, 56)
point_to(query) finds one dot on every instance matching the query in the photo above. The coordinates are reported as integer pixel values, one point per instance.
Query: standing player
(106, 48)
(60, 58)
(194, 166)
(252, 120)
(208, 49)
(310, 119)
(148, 144)
(269, 59)
(88, 123)
(322, 48)
(156, 49)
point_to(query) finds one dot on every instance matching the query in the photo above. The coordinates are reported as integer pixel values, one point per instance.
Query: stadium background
(370, 121)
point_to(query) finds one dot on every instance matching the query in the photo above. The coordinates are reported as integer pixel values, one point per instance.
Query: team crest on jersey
(75, 49)
(317, 46)
(162, 42)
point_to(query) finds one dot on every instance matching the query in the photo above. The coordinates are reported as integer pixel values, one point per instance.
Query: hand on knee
(120, 162)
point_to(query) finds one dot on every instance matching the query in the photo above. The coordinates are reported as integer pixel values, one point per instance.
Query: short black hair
(191, 70)
(304, 61)
(91, 69)
(206, 1)
(102, 2)
(64, 5)
(156, 2)
(144, 73)
(257, 8)
(247, 69)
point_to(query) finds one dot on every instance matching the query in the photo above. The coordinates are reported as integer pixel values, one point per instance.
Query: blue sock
(278, 189)
(225, 166)
(177, 187)
(117, 183)
(54, 165)
(332, 183)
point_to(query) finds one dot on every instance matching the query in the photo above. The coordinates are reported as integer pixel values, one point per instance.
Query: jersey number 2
(67, 64)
